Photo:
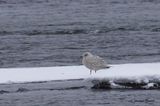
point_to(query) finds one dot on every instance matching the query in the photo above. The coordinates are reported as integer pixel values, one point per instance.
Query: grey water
(37, 33)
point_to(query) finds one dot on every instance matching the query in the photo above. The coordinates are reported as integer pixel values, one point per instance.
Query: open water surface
(56, 32)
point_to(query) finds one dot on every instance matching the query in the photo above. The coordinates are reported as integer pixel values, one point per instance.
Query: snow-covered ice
(137, 72)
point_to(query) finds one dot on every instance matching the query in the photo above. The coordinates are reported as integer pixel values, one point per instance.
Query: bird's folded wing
(97, 61)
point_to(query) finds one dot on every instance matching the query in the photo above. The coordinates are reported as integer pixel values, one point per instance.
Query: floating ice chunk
(122, 75)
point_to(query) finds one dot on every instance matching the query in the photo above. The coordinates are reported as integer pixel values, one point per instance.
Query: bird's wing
(97, 61)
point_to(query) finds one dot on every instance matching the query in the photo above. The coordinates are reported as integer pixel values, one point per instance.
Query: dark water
(56, 32)
(73, 93)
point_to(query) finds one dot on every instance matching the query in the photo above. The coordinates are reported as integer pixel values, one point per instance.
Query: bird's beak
(81, 56)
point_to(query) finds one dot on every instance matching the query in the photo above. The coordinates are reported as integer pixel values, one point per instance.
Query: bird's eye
(85, 54)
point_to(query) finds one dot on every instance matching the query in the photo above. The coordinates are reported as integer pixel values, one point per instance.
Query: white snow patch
(137, 72)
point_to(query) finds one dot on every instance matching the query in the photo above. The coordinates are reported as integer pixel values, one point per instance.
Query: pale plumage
(93, 62)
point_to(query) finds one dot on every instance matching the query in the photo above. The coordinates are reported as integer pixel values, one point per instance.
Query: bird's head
(86, 54)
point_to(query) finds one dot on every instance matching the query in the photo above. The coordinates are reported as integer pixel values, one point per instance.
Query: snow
(136, 71)
(130, 70)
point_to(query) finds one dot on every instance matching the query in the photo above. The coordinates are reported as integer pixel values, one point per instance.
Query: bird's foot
(90, 72)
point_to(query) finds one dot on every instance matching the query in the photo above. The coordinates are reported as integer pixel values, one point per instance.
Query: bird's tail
(107, 66)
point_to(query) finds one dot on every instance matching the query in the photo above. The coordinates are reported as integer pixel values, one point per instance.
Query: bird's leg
(95, 71)
(90, 72)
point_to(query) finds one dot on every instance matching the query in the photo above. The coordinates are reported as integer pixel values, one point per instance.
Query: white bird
(93, 62)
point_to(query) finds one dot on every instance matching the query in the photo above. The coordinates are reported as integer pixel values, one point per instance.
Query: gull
(93, 62)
